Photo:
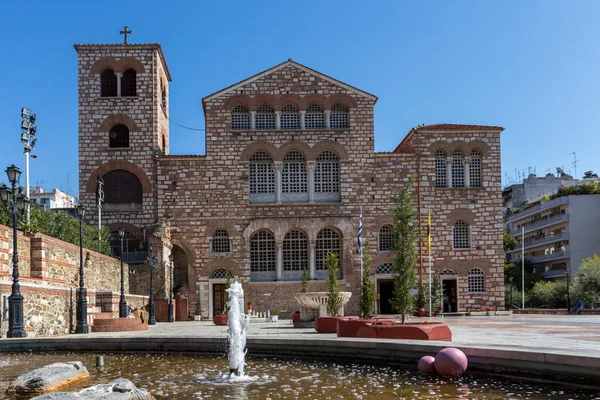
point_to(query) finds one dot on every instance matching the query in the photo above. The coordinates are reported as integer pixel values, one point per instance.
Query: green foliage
(591, 188)
(405, 232)
(517, 299)
(436, 292)
(199, 305)
(550, 294)
(334, 301)
(275, 312)
(587, 283)
(515, 271)
(509, 241)
(60, 226)
(545, 197)
(367, 289)
(305, 278)
(421, 298)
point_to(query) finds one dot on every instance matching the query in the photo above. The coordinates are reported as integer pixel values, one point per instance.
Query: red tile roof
(406, 146)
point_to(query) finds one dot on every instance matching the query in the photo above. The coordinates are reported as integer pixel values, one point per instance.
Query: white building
(51, 200)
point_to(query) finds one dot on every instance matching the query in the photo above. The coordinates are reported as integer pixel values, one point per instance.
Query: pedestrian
(577, 307)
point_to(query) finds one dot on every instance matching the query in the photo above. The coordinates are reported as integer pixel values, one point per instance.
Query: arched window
(447, 271)
(458, 169)
(128, 83)
(295, 251)
(262, 252)
(261, 178)
(338, 119)
(461, 235)
(327, 177)
(385, 268)
(441, 180)
(328, 240)
(220, 273)
(265, 118)
(122, 191)
(240, 118)
(164, 144)
(163, 95)
(475, 169)
(290, 117)
(314, 117)
(476, 281)
(220, 242)
(294, 178)
(386, 238)
(118, 136)
(108, 83)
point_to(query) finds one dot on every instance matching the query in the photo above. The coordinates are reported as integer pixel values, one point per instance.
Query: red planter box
(329, 324)
(436, 331)
(220, 319)
(349, 327)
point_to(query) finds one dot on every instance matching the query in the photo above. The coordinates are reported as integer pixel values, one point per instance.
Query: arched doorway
(217, 283)
(180, 271)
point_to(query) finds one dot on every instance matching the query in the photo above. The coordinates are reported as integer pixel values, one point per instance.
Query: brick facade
(191, 197)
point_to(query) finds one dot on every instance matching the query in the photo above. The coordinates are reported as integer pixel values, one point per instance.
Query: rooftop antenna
(575, 161)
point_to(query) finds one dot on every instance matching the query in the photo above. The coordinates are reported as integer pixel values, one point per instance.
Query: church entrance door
(385, 291)
(450, 291)
(218, 298)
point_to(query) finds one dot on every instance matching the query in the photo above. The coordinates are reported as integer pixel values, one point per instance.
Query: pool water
(169, 376)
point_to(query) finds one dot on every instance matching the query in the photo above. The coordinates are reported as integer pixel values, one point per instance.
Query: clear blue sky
(529, 66)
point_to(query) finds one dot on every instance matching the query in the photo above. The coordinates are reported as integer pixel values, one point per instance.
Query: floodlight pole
(523, 266)
(27, 151)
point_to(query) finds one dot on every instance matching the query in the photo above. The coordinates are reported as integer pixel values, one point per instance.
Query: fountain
(237, 325)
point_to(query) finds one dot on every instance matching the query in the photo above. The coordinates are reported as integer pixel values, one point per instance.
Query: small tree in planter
(249, 302)
(305, 279)
(275, 315)
(334, 302)
(436, 293)
(420, 300)
(367, 288)
(404, 230)
(198, 312)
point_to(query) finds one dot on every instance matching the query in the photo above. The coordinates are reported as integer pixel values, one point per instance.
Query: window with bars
(338, 118)
(295, 251)
(475, 169)
(314, 118)
(461, 235)
(447, 271)
(240, 118)
(476, 280)
(118, 136)
(261, 174)
(290, 117)
(122, 188)
(108, 83)
(441, 180)
(385, 268)
(128, 88)
(220, 242)
(131, 242)
(264, 118)
(262, 252)
(458, 169)
(294, 178)
(327, 173)
(328, 240)
(220, 273)
(386, 238)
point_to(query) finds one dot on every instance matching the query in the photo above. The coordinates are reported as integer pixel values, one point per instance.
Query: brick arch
(480, 145)
(126, 63)
(314, 98)
(458, 145)
(118, 119)
(260, 145)
(330, 145)
(238, 100)
(261, 99)
(440, 145)
(230, 265)
(112, 165)
(105, 63)
(381, 221)
(131, 228)
(293, 145)
(187, 249)
(225, 224)
(333, 227)
(461, 214)
(286, 99)
(339, 98)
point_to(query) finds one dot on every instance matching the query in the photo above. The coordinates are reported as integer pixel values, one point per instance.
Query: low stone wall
(556, 311)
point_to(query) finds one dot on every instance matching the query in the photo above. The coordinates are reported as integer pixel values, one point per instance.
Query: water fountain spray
(237, 325)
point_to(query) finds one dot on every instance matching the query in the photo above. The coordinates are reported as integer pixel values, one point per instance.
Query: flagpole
(429, 254)
(361, 254)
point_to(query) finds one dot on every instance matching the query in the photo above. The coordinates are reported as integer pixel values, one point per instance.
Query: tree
(367, 288)
(587, 283)
(305, 278)
(509, 241)
(405, 232)
(550, 294)
(421, 298)
(334, 301)
(436, 292)
(199, 305)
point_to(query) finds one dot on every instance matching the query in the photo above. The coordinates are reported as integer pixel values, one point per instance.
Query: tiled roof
(405, 145)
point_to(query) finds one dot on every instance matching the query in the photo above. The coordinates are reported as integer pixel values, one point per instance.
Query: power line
(185, 127)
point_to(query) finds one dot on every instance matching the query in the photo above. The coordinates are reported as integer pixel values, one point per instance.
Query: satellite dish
(560, 170)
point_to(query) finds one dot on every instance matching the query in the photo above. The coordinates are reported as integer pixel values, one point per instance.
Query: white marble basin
(312, 301)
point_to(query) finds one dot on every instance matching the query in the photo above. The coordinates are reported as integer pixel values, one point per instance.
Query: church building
(290, 162)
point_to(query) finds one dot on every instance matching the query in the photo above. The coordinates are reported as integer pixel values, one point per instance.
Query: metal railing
(135, 257)
(542, 241)
(541, 224)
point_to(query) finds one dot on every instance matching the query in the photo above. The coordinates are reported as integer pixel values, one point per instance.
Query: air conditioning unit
(538, 232)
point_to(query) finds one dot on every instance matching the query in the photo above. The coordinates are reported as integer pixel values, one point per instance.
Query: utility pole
(575, 161)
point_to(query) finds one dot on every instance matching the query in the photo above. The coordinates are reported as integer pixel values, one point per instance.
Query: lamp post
(82, 326)
(567, 274)
(171, 317)
(510, 279)
(18, 204)
(151, 318)
(122, 303)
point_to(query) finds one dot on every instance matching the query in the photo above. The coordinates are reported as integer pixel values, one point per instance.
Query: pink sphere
(426, 365)
(451, 362)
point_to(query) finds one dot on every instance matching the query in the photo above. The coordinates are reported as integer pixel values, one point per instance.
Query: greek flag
(359, 248)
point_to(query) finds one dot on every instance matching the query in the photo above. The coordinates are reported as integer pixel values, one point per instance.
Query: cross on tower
(125, 33)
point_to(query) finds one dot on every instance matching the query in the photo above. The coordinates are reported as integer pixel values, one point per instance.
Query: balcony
(543, 241)
(554, 274)
(541, 224)
(543, 206)
(557, 255)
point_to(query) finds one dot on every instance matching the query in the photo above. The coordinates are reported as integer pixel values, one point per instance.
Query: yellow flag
(428, 231)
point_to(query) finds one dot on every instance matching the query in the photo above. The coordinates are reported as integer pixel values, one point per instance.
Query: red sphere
(426, 365)
(451, 362)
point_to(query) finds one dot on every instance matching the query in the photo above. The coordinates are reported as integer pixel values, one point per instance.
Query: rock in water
(119, 389)
(49, 378)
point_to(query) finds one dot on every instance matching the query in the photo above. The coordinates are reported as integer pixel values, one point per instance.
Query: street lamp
(19, 205)
(510, 279)
(171, 317)
(151, 318)
(82, 326)
(567, 274)
(122, 303)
